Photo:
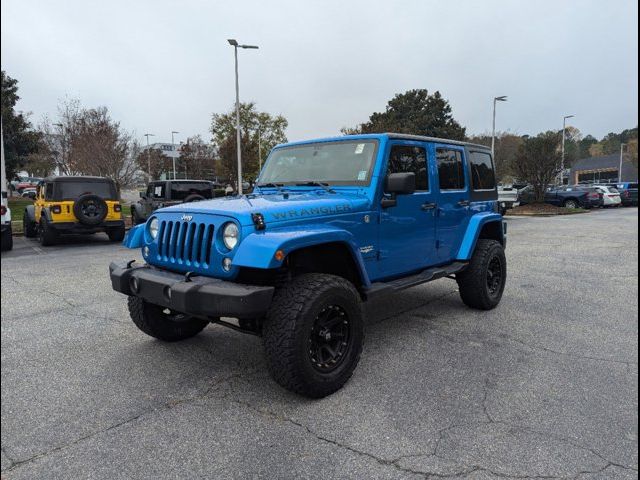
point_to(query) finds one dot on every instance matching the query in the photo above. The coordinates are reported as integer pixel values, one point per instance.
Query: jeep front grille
(185, 243)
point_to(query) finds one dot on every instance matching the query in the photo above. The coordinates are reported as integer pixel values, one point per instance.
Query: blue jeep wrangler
(331, 224)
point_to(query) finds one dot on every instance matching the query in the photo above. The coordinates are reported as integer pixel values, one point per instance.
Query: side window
(482, 175)
(48, 193)
(157, 191)
(150, 190)
(450, 169)
(406, 159)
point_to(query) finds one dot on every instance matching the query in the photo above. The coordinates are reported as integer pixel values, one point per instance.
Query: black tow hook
(189, 275)
(130, 263)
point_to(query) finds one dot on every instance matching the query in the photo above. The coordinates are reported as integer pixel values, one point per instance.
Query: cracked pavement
(545, 386)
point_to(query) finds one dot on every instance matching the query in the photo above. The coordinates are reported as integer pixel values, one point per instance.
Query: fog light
(145, 251)
(226, 264)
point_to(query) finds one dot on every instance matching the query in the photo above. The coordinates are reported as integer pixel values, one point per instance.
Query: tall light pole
(259, 150)
(622, 145)
(173, 146)
(62, 147)
(502, 98)
(149, 154)
(564, 127)
(235, 46)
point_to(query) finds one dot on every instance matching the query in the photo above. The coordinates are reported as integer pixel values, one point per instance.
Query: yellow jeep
(74, 205)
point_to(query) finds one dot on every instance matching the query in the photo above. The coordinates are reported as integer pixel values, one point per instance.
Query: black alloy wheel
(329, 339)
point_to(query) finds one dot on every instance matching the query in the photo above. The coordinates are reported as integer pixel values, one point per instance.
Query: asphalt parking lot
(544, 386)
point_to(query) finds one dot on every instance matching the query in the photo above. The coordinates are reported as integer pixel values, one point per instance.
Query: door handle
(428, 206)
(464, 203)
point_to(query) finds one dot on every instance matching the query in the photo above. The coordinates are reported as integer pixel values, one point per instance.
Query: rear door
(453, 199)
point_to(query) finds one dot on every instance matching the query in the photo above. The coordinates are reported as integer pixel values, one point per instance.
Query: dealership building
(603, 169)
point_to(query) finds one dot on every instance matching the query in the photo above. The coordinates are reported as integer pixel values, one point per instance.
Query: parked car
(611, 196)
(28, 182)
(74, 205)
(30, 192)
(595, 196)
(6, 239)
(164, 193)
(507, 198)
(560, 196)
(628, 193)
(331, 224)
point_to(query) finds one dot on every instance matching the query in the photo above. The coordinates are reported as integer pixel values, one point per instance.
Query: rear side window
(450, 169)
(407, 159)
(48, 192)
(482, 174)
(180, 191)
(156, 190)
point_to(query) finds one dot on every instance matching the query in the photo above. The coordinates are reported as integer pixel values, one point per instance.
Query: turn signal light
(279, 256)
(3, 210)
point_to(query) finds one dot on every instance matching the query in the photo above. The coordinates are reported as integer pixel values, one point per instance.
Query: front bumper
(198, 295)
(77, 227)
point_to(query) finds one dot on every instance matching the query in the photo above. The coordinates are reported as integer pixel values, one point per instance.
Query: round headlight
(153, 227)
(230, 235)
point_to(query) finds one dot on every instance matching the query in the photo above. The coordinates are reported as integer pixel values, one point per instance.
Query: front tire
(116, 234)
(313, 334)
(482, 283)
(571, 204)
(162, 323)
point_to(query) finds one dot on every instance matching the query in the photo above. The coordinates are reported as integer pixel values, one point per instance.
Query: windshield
(72, 190)
(334, 163)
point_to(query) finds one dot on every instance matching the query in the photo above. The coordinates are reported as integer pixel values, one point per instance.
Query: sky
(162, 65)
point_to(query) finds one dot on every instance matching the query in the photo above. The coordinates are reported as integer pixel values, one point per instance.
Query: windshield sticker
(359, 148)
(362, 175)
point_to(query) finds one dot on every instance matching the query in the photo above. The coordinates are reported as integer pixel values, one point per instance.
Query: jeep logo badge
(187, 218)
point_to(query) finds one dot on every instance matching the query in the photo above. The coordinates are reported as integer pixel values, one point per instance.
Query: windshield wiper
(316, 184)
(277, 186)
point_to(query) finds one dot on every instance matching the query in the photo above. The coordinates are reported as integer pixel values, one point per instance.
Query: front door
(407, 230)
(453, 200)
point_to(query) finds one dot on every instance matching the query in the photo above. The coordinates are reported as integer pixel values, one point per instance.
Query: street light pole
(235, 45)
(148, 154)
(259, 150)
(502, 98)
(622, 145)
(564, 127)
(173, 157)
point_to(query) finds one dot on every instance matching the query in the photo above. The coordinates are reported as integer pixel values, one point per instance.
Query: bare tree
(539, 161)
(198, 158)
(89, 142)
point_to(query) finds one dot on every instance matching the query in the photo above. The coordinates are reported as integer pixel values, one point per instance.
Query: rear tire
(313, 334)
(482, 283)
(46, 235)
(162, 323)
(572, 204)
(6, 242)
(135, 218)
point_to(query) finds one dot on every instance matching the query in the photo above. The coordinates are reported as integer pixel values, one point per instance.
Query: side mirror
(143, 195)
(398, 184)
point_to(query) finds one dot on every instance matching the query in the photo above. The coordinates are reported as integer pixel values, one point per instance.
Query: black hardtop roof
(421, 138)
(182, 180)
(74, 178)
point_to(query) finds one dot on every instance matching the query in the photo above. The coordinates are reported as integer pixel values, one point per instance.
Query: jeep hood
(277, 207)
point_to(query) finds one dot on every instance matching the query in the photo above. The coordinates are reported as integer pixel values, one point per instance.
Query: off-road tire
(194, 197)
(29, 228)
(135, 218)
(473, 282)
(287, 330)
(151, 320)
(47, 236)
(116, 234)
(6, 242)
